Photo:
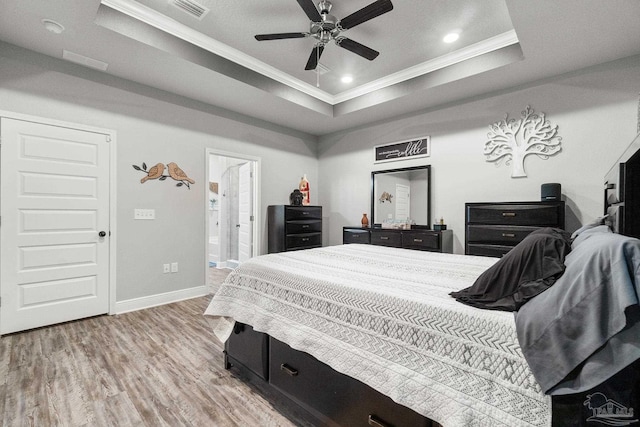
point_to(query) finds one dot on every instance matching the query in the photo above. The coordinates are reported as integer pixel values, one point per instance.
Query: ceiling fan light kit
(325, 28)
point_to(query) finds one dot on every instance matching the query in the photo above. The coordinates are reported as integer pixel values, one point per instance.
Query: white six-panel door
(55, 206)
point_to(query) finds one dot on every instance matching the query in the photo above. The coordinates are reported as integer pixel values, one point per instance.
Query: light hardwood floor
(156, 367)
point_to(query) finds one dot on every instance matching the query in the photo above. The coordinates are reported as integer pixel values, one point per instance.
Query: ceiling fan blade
(316, 53)
(310, 9)
(376, 8)
(357, 48)
(280, 36)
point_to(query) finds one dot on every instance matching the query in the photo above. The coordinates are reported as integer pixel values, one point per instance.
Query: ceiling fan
(326, 27)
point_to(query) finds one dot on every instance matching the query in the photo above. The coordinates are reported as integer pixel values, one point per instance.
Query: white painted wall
(596, 110)
(153, 126)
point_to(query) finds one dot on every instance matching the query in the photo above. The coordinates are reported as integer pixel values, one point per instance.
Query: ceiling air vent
(194, 9)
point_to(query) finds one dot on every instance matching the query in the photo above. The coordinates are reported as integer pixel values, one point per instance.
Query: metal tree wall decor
(513, 140)
(157, 172)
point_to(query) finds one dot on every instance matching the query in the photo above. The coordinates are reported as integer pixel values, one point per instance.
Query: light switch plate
(174, 267)
(144, 214)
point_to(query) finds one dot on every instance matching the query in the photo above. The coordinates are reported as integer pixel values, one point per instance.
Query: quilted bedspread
(384, 316)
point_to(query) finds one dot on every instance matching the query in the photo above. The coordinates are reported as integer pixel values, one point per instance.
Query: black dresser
(294, 227)
(418, 238)
(493, 229)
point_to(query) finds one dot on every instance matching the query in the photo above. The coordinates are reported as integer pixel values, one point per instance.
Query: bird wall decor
(157, 172)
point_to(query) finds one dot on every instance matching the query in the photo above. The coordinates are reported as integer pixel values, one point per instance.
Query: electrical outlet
(166, 268)
(174, 267)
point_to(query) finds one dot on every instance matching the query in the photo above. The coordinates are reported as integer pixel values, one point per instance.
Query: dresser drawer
(539, 215)
(422, 240)
(504, 234)
(303, 226)
(302, 212)
(355, 236)
(386, 238)
(481, 249)
(303, 241)
(493, 229)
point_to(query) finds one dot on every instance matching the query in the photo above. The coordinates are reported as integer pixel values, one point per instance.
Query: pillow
(525, 271)
(596, 230)
(595, 223)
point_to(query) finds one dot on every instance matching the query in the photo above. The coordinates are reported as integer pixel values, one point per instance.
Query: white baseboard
(160, 299)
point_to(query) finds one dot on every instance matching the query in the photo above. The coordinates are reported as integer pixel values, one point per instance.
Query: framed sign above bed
(403, 150)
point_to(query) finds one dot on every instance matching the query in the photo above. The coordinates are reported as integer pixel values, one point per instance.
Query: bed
(337, 327)
(384, 317)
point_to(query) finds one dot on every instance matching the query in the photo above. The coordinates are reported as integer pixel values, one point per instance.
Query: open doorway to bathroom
(232, 198)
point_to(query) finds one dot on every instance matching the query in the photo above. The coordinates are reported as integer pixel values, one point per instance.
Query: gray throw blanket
(585, 328)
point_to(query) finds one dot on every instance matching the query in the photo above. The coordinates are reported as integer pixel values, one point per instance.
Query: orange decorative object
(365, 220)
(304, 189)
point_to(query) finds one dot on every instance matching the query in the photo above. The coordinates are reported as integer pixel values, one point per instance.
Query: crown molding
(162, 22)
(486, 46)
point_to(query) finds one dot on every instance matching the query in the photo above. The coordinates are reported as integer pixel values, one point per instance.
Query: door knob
(102, 234)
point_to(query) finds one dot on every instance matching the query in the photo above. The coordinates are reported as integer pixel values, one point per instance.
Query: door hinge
(108, 138)
(251, 218)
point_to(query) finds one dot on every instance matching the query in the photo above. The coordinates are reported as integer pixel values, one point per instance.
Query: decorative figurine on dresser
(294, 227)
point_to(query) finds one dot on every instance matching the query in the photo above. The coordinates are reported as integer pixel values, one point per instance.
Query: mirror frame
(409, 169)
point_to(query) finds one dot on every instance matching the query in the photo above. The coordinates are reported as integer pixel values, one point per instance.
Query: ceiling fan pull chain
(317, 68)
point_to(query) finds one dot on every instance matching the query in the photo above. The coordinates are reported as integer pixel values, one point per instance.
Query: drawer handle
(305, 213)
(508, 214)
(289, 370)
(356, 236)
(508, 235)
(417, 240)
(305, 239)
(377, 422)
(305, 226)
(384, 238)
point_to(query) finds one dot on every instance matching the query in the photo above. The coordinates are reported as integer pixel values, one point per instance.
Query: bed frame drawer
(334, 398)
(299, 376)
(249, 349)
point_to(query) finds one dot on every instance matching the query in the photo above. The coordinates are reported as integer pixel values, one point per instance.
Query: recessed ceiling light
(346, 79)
(53, 26)
(451, 37)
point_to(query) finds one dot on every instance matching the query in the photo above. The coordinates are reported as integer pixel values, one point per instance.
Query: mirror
(398, 194)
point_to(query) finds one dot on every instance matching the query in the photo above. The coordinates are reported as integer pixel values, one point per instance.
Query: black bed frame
(328, 398)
